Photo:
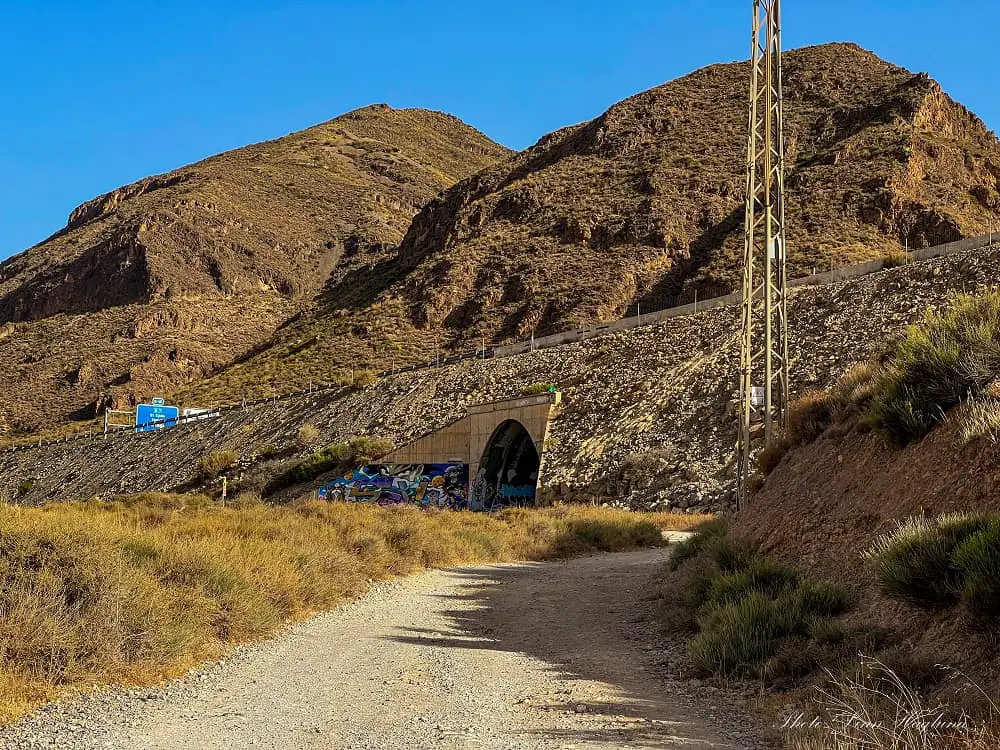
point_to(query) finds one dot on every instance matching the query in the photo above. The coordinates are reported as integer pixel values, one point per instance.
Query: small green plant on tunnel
(536, 389)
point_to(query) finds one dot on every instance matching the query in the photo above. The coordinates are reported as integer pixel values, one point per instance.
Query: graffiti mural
(425, 485)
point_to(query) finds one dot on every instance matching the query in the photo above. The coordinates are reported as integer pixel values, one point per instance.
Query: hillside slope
(646, 419)
(825, 504)
(171, 277)
(644, 205)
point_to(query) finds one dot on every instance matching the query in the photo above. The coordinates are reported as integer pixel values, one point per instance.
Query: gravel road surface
(533, 656)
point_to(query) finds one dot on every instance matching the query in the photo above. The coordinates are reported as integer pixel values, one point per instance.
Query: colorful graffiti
(426, 485)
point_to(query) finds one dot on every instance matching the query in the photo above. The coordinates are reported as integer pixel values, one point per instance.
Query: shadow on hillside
(588, 619)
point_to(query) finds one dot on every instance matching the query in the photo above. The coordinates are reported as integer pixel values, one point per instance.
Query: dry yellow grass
(139, 589)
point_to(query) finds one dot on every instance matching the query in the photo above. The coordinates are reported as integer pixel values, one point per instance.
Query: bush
(307, 435)
(358, 451)
(915, 562)
(978, 561)
(748, 608)
(810, 416)
(691, 547)
(946, 359)
(364, 378)
(739, 637)
(762, 575)
(982, 419)
(214, 463)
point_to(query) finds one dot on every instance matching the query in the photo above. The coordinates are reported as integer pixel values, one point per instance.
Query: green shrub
(822, 598)
(762, 575)
(694, 544)
(978, 561)
(730, 555)
(754, 615)
(942, 361)
(915, 564)
(738, 637)
(740, 633)
(358, 451)
(214, 463)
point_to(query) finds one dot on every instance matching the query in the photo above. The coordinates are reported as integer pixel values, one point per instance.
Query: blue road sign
(150, 417)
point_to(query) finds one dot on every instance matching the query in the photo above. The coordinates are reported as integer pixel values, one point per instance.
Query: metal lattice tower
(764, 350)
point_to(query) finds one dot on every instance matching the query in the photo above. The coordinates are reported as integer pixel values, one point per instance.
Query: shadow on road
(588, 619)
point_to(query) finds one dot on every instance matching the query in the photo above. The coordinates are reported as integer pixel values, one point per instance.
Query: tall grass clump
(874, 708)
(941, 362)
(978, 561)
(694, 544)
(745, 607)
(215, 462)
(142, 588)
(982, 419)
(915, 563)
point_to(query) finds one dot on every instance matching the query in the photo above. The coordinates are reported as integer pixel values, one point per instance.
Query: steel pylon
(764, 349)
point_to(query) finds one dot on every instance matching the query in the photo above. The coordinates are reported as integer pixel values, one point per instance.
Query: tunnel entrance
(508, 471)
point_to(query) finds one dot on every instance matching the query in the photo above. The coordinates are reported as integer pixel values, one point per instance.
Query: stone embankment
(646, 417)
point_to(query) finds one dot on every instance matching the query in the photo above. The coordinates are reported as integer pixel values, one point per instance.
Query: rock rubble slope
(646, 417)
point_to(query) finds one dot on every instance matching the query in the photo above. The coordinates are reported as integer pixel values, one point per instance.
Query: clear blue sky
(97, 94)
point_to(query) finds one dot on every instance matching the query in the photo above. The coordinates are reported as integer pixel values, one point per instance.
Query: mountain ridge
(643, 207)
(208, 260)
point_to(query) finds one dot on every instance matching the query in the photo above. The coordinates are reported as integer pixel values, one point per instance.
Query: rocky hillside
(825, 504)
(165, 280)
(644, 205)
(646, 418)
(647, 200)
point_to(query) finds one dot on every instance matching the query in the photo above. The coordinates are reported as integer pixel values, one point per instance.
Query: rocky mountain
(300, 260)
(644, 205)
(170, 278)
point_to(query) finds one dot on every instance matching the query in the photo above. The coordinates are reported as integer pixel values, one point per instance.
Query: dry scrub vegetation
(874, 708)
(141, 588)
(752, 617)
(949, 359)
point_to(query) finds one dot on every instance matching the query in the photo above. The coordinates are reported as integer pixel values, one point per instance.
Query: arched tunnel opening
(508, 471)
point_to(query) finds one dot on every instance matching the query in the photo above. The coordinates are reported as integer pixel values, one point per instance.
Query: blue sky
(97, 94)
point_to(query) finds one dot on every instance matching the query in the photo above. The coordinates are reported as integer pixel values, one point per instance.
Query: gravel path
(534, 656)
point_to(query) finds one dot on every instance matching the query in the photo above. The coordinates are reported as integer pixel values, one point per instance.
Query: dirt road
(535, 656)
